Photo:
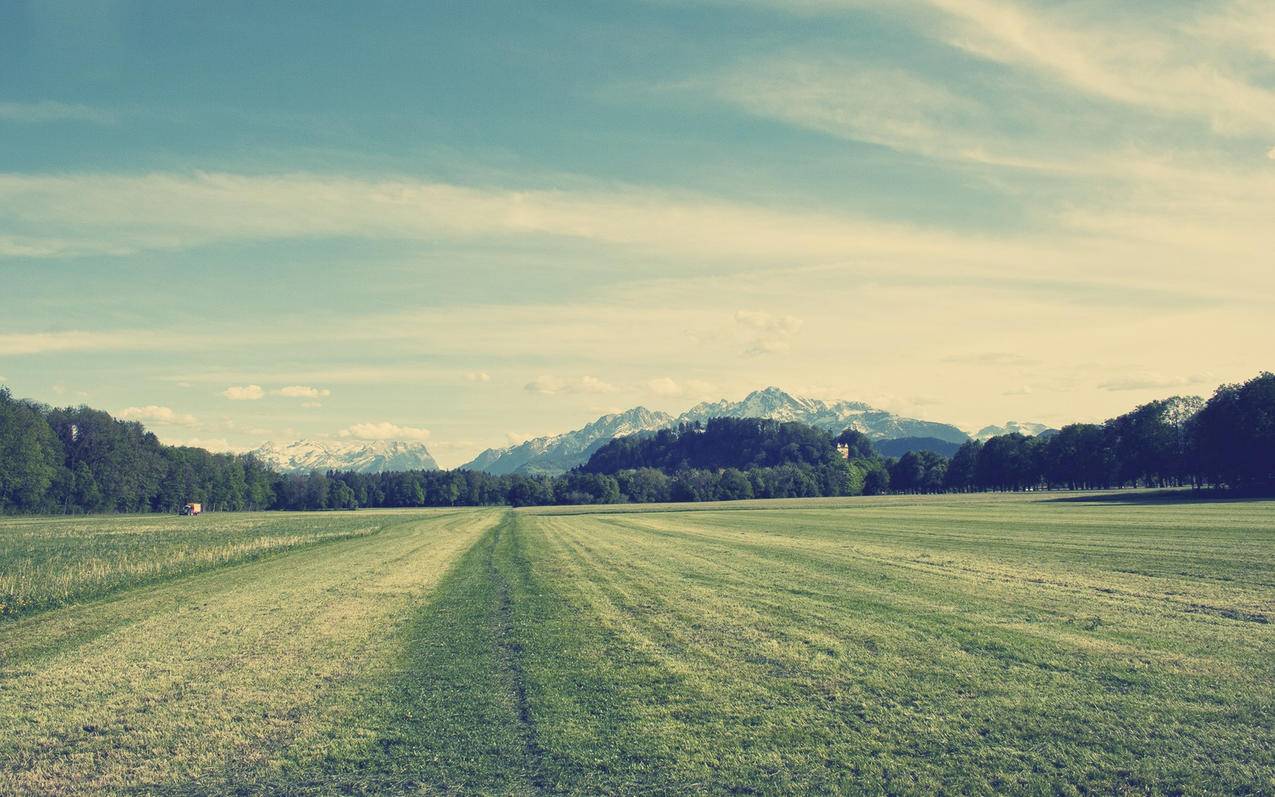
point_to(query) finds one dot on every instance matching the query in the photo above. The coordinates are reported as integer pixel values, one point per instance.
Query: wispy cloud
(51, 111)
(301, 391)
(384, 430)
(208, 443)
(766, 333)
(1115, 56)
(1150, 380)
(668, 387)
(1170, 63)
(664, 386)
(888, 107)
(554, 385)
(21, 343)
(244, 392)
(152, 413)
(112, 214)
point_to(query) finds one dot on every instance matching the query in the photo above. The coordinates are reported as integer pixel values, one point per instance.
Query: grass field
(961, 644)
(54, 561)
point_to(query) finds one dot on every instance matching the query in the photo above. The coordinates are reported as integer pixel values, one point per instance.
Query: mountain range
(558, 453)
(553, 454)
(374, 456)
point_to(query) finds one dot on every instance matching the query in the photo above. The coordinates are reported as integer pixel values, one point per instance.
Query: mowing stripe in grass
(225, 679)
(512, 564)
(770, 653)
(443, 712)
(47, 562)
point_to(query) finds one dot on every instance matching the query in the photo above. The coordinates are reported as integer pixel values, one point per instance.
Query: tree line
(80, 460)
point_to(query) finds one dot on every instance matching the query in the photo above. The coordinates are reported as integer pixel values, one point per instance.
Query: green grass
(254, 673)
(54, 561)
(962, 644)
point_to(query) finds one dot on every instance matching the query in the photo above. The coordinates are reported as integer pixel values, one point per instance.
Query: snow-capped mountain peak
(557, 453)
(560, 452)
(364, 456)
(1028, 428)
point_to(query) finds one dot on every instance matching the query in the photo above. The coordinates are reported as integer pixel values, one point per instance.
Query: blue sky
(473, 222)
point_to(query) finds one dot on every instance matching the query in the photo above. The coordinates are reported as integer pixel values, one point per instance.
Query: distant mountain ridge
(376, 456)
(561, 452)
(1028, 428)
(558, 453)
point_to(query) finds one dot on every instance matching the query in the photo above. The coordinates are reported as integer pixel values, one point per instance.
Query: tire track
(511, 648)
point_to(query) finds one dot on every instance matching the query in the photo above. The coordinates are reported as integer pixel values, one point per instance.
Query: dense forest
(79, 460)
(720, 443)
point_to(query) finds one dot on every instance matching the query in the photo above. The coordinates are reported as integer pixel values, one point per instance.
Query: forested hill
(78, 459)
(741, 443)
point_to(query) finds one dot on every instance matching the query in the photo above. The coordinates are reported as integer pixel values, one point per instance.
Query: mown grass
(265, 676)
(47, 562)
(905, 646)
(972, 644)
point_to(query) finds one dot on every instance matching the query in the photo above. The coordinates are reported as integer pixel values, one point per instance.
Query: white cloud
(311, 404)
(554, 385)
(478, 376)
(860, 102)
(1121, 58)
(384, 430)
(1021, 390)
(664, 386)
(669, 387)
(15, 343)
(243, 392)
(1237, 25)
(1271, 153)
(302, 391)
(762, 346)
(87, 213)
(152, 413)
(766, 333)
(218, 444)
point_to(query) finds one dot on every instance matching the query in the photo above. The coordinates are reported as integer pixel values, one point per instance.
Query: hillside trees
(961, 474)
(858, 444)
(30, 455)
(918, 472)
(742, 443)
(1233, 436)
(1078, 457)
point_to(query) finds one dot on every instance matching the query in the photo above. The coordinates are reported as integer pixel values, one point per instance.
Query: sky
(472, 223)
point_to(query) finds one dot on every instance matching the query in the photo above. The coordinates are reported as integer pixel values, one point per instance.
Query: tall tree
(30, 455)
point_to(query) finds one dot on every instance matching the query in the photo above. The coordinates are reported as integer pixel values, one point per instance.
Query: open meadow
(909, 644)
